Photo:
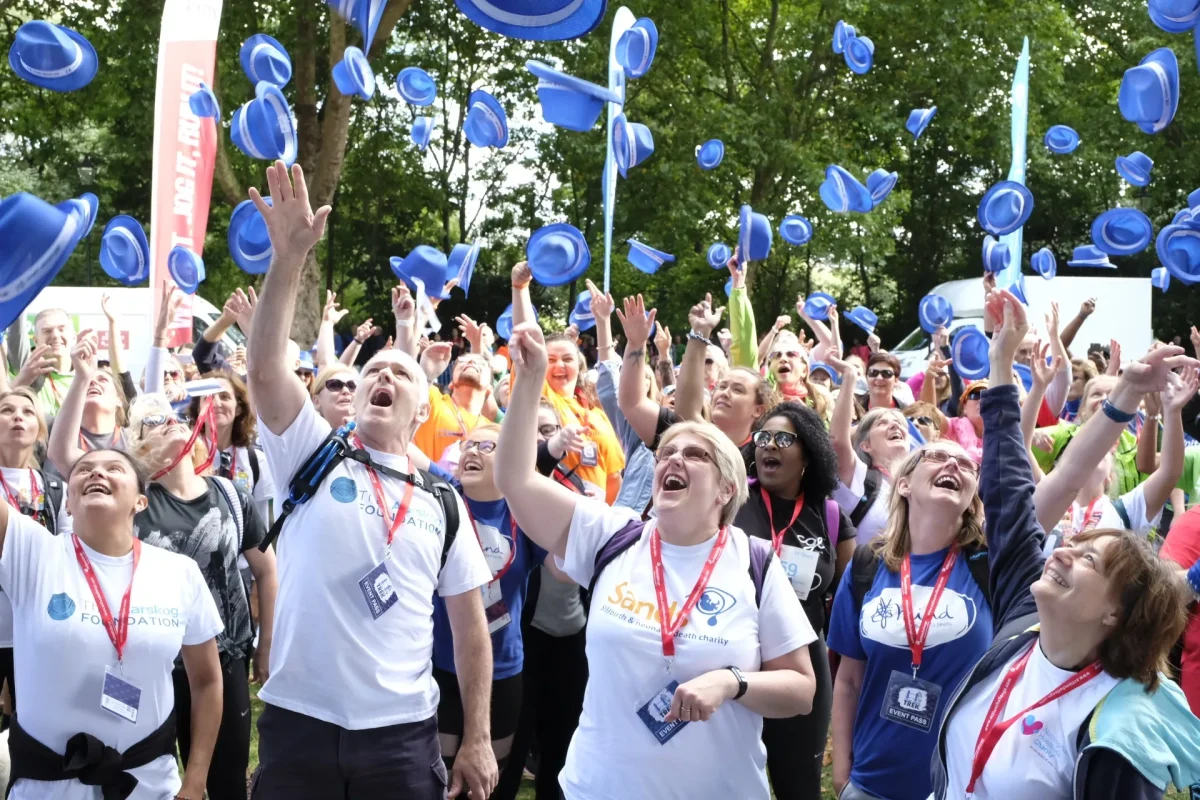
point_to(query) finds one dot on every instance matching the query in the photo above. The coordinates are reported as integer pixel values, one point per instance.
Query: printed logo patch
(344, 490)
(1030, 725)
(715, 602)
(61, 607)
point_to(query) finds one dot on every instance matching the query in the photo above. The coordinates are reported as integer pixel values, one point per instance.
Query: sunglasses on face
(975, 394)
(788, 353)
(304, 375)
(925, 421)
(153, 421)
(692, 453)
(549, 430)
(486, 446)
(941, 457)
(782, 439)
(880, 373)
(335, 385)
(174, 374)
(668, 391)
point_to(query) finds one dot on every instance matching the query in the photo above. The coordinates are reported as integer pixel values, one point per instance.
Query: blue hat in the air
(842, 33)
(969, 352)
(842, 192)
(203, 102)
(186, 268)
(1017, 287)
(557, 254)
(426, 264)
(1061, 139)
(363, 14)
(729, 287)
(535, 20)
(124, 251)
(632, 143)
(263, 128)
(1135, 168)
(265, 59)
(934, 311)
(754, 236)
(249, 244)
(1149, 92)
(1181, 216)
(718, 255)
(817, 305)
(1160, 279)
(505, 321)
(880, 184)
(1194, 201)
(1005, 207)
(996, 256)
(1044, 263)
(52, 57)
(35, 241)
(1178, 248)
(1174, 16)
(461, 264)
(646, 258)
(796, 229)
(85, 207)
(569, 102)
(859, 54)
(416, 86)
(422, 130)
(581, 315)
(918, 120)
(1122, 231)
(863, 317)
(635, 48)
(353, 74)
(486, 124)
(709, 154)
(1089, 255)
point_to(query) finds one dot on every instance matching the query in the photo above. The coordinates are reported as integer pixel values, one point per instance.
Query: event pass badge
(119, 696)
(494, 606)
(910, 701)
(653, 714)
(378, 590)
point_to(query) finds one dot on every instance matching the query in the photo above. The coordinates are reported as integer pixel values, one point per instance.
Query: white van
(1122, 313)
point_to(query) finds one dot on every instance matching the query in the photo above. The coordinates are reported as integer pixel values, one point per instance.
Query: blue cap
(1174, 16)
(646, 258)
(710, 154)
(841, 34)
(426, 264)
(1122, 231)
(353, 74)
(124, 251)
(635, 48)
(265, 59)
(461, 264)
(569, 102)
(934, 311)
(203, 102)
(1090, 256)
(880, 184)
(1160, 278)
(842, 192)
(1044, 263)
(505, 321)
(996, 256)
(416, 86)
(918, 120)
(718, 255)
(754, 236)
(1149, 92)
(249, 245)
(535, 20)
(557, 254)
(969, 352)
(817, 305)
(632, 143)
(1005, 207)
(1061, 139)
(834, 378)
(35, 241)
(1181, 216)
(863, 317)
(1135, 168)
(186, 269)
(1178, 248)
(859, 54)
(796, 229)
(486, 124)
(422, 130)
(52, 57)
(263, 128)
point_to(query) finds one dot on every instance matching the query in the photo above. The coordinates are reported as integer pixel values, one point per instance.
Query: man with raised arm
(351, 701)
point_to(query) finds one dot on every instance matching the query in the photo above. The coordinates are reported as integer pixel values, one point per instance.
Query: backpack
(871, 484)
(866, 562)
(333, 451)
(53, 489)
(235, 506)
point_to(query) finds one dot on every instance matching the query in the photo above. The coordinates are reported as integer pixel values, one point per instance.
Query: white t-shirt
(62, 648)
(330, 659)
(1076, 518)
(1035, 758)
(848, 497)
(613, 755)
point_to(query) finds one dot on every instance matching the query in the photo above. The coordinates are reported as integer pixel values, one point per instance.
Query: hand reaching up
(636, 322)
(527, 347)
(602, 303)
(1180, 390)
(83, 355)
(1044, 372)
(403, 304)
(703, 317)
(331, 312)
(293, 226)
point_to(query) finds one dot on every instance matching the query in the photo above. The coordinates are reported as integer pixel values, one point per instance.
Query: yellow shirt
(606, 475)
(446, 425)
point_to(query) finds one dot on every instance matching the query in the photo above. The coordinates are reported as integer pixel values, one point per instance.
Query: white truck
(1122, 313)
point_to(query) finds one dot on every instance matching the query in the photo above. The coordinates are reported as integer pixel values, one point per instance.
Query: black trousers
(796, 745)
(231, 754)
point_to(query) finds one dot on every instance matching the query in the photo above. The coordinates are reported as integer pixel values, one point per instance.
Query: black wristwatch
(741, 679)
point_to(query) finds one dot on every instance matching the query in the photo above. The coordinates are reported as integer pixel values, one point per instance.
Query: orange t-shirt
(446, 425)
(610, 457)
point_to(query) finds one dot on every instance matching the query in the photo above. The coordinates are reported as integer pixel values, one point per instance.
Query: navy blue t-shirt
(891, 760)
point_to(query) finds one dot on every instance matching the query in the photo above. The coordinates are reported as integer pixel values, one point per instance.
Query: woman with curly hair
(793, 473)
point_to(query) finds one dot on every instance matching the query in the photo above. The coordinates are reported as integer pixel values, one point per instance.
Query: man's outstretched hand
(293, 226)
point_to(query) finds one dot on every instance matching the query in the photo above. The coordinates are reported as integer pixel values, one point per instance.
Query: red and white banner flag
(185, 146)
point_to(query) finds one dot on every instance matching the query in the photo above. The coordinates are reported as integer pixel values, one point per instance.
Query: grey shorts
(852, 792)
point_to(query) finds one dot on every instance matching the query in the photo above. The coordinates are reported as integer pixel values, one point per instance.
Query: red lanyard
(207, 421)
(1091, 519)
(777, 536)
(14, 500)
(512, 551)
(917, 636)
(392, 525)
(993, 728)
(118, 630)
(667, 626)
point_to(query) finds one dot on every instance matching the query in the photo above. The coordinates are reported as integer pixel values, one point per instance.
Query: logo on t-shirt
(1030, 725)
(344, 490)
(715, 602)
(61, 607)
(882, 620)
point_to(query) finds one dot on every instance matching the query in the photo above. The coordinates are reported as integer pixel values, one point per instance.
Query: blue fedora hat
(646, 258)
(1181, 216)
(710, 154)
(1122, 231)
(249, 245)
(1149, 92)
(1089, 255)
(1178, 248)
(1135, 168)
(859, 54)
(1005, 207)
(969, 352)
(35, 241)
(422, 129)
(863, 317)
(934, 311)
(1044, 263)
(186, 269)
(729, 286)
(557, 254)
(569, 102)
(632, 143)
(918, 120)
(718, 255)
(1174, 16)
(1194, 200)
(1061, 139)
(996, 256)
(264, 128)
(635, 48)
(842, 192)
(52, 57)
(842, 32)
(367, 14)
(1160, 279)
(754, 236)
(486, 124)
(416, 86)
(426, 264)
(535, 20)
(796, 229)
(505, 321)
(353, 74)
(817, 305)
(461, 264)
(582, 321)
(880, 184)
(1017, 287)
(203, 102)
(124, 251)
(583, 302)
(265, 59)
(85, 207)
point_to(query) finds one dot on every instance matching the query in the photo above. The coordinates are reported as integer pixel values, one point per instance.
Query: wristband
(404, 323)
(698, 337)
(1116, 414)
(1193, 576)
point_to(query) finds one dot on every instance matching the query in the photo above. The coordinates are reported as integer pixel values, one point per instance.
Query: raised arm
(156, 361)
(116, 358)
(294, 229)
(1043, 374)
(1085, 310)
(743, 352)
(842, 419)
(1060, 384)
(522, 305)
(1157, 489)
(1146, 457)
(404, 308)
(330, 315)
(641, 412)
(363, 332)
(64, 449)
(689, 392)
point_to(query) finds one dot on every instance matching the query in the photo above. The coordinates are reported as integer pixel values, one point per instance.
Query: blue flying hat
(416, 87)
(422, 129)
(35, 241)
(754, 236)
(353, 74)
(632, 143)
(265, 59)
(1135, 168)
(635, 48)
(796, 229)
(1017, 287)
(203, 102)
(969, 352)
(729, 287)
(486, 124)
(1160, 279)
(710, 154)
(817, 305)
(1181, 216)
(1174, 16)
(1044, 263)
(461, 263)
(1090, 256)
(1005, 207)
(718, 255)
(934, 311)
(85, 207)
(424, 263)
(1149, 92)
(569, 102)
(859, 54)
(1178, 248)
(363, 14)
(1122, 231)
(581, 315)
(1061, 139)
(186, 269)
(842, 192)
(880, 184)
(263, 128)
(249, 244)
(535, 20)
(505, 322)
(1194, 201)
(841, 34)
(52, 57)
(124, 251)
(863, 317)
(646, 258)
(557, 254)
(996, 256)
(918, 120)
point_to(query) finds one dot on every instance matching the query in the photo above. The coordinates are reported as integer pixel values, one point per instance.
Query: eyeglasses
(153, 421)
(788, 353)
(782, 439)
(174, 374)
(335, 385)
(486, 446)
(926, 421)
(975, 394)
(880, 373)
(942, 457)
(549, 430)
(691, 453)
(304, 374)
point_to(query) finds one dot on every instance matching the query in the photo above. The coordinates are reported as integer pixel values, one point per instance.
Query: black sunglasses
(926, 421)
(975, 394)
(782, 439)
(335, 385)
(880, 373)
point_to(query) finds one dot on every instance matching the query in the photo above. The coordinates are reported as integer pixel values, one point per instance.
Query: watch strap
(741, 679)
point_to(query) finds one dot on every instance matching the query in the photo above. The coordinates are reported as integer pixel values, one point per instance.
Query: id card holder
(378, 591)
(800, 566)
(653, 714)
(494, 607)
(910, 701)
(119, 696)
(590, 455)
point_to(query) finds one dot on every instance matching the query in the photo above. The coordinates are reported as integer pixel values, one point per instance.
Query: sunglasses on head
(782, 439)
(880, 373)
(485, 446)
(335, 385)
(692, 453)
(942, 457)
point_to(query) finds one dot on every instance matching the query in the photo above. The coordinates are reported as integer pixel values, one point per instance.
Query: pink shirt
(962, 431)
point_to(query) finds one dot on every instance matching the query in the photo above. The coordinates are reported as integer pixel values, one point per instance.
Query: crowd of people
(446, 563)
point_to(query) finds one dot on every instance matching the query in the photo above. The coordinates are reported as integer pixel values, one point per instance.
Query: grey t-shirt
(559, 610)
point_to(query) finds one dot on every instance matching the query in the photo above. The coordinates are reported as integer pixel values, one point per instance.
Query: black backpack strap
(761, 554)
(309, 477)
(618, 543)
(979, 565)
(1123, 513)
(54, 489)
(871, 484)
(448, 499)
(862, 573)
(254, 468)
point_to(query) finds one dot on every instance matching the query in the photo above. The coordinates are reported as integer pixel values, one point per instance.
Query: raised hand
(39, 364)
(874, 343)
(736, 272)
(1195, 341)
(436, 358)
(1087, 307)
(241, 305)
(571, 332)
(1114, 358)
(237, 362)
(487, 338)
(569, 439)
(403, 304)
(108, 312)
(725, 338)
(292, 225)
(662, 341)
(521, 275)
(1044, 372)
(1180, 390)
(703, 317)
(603, 304)
(1149, 373)
(168, 308)
(527, 347)
(364, 331)
(472, 332)
(937, 365)
(782, 321)
(1011, 327)
(941, 337)
(437, 301)
(331, 312)
(83, 355)
(636, 322)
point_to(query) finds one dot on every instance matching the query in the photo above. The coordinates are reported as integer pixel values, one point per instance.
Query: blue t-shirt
(508, 655)
(892, 760)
